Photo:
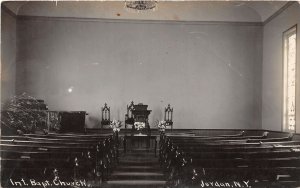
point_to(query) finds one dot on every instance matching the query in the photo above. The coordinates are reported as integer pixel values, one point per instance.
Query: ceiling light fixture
(141, 6)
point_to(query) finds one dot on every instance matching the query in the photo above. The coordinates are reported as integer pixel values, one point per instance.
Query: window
(289, 82)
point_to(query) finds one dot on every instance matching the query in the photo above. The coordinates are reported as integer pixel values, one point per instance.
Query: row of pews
(57, 159)
(230, 160)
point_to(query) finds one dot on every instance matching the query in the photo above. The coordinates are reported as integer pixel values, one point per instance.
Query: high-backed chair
(169, 116)
(129, 120)
(105, 116)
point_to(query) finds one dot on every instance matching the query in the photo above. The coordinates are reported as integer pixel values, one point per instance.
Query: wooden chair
(169, 116)
(129, 120)
(105, 116)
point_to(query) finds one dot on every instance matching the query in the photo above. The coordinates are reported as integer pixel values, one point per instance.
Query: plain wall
(8, 56)
(272, 93)
(209, 73)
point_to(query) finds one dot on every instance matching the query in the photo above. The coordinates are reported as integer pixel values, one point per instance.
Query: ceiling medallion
(141, 6)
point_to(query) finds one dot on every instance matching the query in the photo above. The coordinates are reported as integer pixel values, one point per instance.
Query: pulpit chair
(169, 116)
(129, 120)
(105, 116)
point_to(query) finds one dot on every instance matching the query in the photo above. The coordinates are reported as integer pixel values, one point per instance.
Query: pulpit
(141, 114)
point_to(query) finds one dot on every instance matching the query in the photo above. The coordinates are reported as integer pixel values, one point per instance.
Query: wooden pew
(239, 159)
(52, 138)
(69, 155)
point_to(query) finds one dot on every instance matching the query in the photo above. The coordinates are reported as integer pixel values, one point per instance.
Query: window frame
(286, 34)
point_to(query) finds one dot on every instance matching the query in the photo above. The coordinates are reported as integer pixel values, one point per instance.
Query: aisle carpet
(137, 168)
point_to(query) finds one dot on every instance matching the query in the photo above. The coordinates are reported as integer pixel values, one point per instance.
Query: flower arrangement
(22, 114)
(115, 125)
(162, 126)
(139, 125)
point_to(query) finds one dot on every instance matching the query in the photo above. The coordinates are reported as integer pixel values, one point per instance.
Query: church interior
(150, 94)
